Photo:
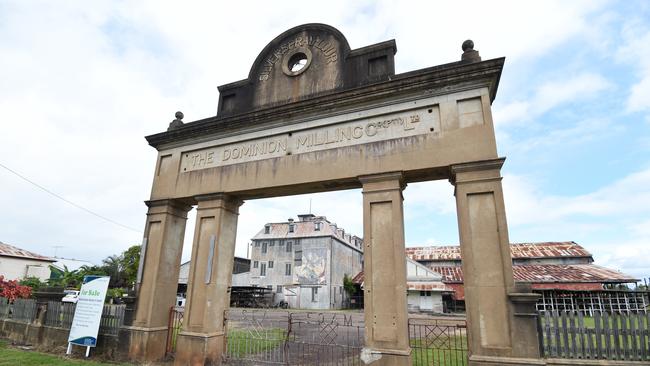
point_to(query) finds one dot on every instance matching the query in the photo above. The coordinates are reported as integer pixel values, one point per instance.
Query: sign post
(88, 313)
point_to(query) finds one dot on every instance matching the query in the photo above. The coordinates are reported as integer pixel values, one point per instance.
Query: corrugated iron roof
(566, 249)
(306, 229)
(549, 273)
(12, 251)
(413, 285)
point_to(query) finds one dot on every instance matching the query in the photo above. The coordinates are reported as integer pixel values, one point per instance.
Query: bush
(12, 290)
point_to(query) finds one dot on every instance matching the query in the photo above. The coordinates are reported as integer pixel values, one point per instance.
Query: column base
(199, 349)
(147, 344)
(375, 357)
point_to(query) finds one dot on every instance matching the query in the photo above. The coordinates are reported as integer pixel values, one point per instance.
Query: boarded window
(298, 257)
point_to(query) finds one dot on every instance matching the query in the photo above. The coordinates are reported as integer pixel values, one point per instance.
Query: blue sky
(81, 85)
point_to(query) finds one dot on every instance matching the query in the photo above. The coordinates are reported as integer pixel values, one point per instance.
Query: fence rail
(608, 336)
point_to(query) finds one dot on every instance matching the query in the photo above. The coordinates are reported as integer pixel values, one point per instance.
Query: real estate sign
(88, 313)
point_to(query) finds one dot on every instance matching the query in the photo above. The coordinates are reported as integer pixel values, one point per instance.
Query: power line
(66, 200)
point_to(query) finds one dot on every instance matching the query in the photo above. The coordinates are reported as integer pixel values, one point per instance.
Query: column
(202, 339)
(500, 316)
(386, 320)
(157, 278)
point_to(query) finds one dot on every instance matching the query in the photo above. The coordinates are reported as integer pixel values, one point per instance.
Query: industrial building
(564, 274)
(304, 261)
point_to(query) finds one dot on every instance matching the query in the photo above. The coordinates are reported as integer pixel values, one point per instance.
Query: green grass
(242, 343)
(432, 355)
(13, 357)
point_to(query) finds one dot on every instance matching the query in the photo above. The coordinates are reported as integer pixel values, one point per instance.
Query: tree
(112, 266)
(130, 261)
(349, 286)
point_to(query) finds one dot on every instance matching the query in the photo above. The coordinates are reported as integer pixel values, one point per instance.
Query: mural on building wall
(312, 270)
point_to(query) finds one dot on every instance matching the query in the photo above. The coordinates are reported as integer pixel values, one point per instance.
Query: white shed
(16, 263)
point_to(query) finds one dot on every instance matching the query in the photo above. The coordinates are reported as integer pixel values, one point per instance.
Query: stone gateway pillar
(384, 292)
(157, 278)
(498, 331)
(202, 339)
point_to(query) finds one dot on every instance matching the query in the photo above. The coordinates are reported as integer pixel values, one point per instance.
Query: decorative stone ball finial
(177, 122)
(469, 53)
(468, 45)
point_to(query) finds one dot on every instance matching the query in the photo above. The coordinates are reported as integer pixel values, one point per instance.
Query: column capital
(382, 182)
(219, 200)
(168, 206)
(476, 171)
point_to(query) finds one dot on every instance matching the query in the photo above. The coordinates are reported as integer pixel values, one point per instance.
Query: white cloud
(550, 95)
(636, 34)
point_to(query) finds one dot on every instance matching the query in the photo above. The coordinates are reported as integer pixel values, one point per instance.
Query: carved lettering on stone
(410, 123)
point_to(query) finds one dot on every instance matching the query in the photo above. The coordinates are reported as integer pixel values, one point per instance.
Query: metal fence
(23, 310)
(438, 341)
(608, 336)
(293, 338)
(176, 314)
(267, 337)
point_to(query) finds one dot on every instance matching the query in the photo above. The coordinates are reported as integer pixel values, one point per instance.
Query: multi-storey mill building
(304, 261)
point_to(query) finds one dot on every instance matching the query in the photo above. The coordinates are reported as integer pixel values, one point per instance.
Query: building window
(272, 243)
(314, 294)
(298, 257)
(287, 269)
(263, 269)
(267, 229)
(264, 247)
(255, 264)
(270, 264)
(281, 243)
(257, 244)
(289, 246)
(425, 293)
(279, 289)
(270, 287)
(292, 228)
(317, 226)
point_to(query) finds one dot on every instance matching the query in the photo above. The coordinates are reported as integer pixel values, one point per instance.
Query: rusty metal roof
(12, 251)
(306, 229)
(549, 273)
(413, 285)
(566, 249)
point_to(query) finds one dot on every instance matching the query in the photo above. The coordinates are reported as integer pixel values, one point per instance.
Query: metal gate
(438, 341)
(300, 338)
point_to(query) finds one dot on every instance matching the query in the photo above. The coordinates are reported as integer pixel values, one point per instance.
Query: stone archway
(312, 116)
